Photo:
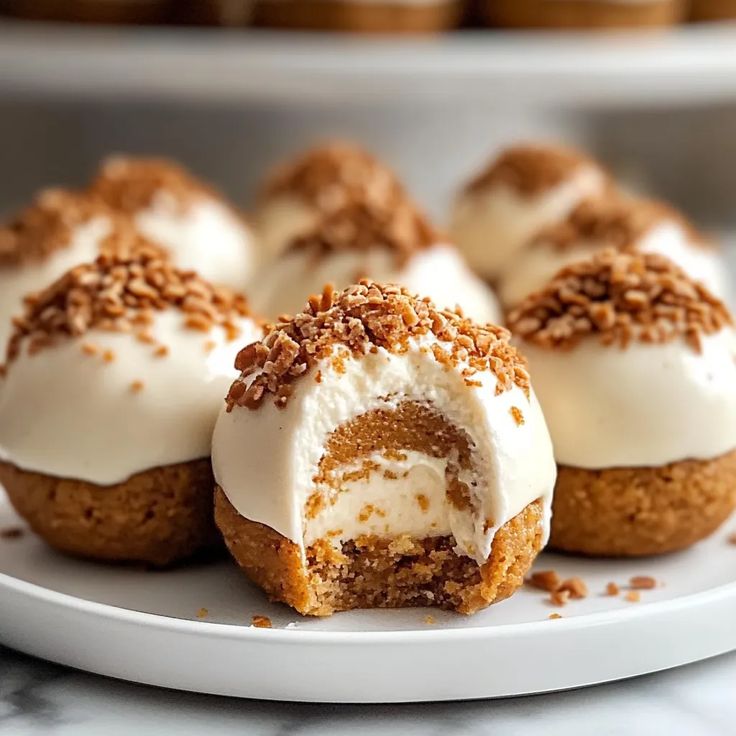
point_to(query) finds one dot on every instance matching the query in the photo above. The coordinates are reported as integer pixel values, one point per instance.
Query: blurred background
(198, 82)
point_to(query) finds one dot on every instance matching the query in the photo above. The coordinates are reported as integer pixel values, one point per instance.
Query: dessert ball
(170, 207)
(363, 16)
(396, 245)
(625, 224)
(59, 230)
(299, 194)
(109, 394)
(408, 461)
(521, 191)
(602, 14)
(634, 363)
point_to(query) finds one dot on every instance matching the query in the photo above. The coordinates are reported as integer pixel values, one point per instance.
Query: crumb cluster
(402, 229)
(131, 184)
(121, 292)
(530, 170)
(332, 176)
(611, 221)
(620, 298)
(48, 223)
(363, 318)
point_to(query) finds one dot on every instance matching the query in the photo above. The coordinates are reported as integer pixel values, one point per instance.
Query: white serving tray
(143, 626)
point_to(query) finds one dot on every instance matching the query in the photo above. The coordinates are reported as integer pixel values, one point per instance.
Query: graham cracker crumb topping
(620, 298)
(48, 224)
(330, 177)
(261, 622)
(362, 319)
(614, 222)
(120, 292)
(531, 170)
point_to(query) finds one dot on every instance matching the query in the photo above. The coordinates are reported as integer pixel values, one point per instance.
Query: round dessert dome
(408, 460)
(59, 230)
(396, 245)
(110, 390)
(171, 207)
(298, 194)
(522, 190)
(634, 363)
(625, 224)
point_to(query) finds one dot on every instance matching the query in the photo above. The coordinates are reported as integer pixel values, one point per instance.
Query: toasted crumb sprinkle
(361, 319)
(423, 502)
(559, 597)
(161, 351)
(118, 291)
(203, 613)
(261, 622)
(732, 538)
(642, 582)
(633, 596)
(532, 170)
(89, 349)
(554, 616)
(575, 586)
(517, 415)
(429, 620)
(612, 589)
(620, 298)
(11, 532)
(209, 346)
(137, 386)
(547, 580)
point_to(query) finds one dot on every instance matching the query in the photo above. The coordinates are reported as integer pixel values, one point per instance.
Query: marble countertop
(41, 698)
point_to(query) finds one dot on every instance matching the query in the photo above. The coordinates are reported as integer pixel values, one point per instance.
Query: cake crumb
(612, 589)
(161, 351)
(547, 580)
(642, 582)
(202, 613)
(137, 386)
(517, 415)
(559, 597)
(11, 532)
(89, 349)
(429, 620)
(576, 587)
(209, 346)
(633, 596)
(554, 616)
(261, 622)
(108, 356)
(423, 502)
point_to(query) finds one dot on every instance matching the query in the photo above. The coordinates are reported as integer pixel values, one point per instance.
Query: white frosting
(512, 465)
(438, 272)
(647, 405)
(490, 226)
(72, 415)
(205, 237)
(279, 221)
(17, 282)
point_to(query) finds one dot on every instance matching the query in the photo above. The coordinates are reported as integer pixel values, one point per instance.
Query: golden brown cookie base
(631, 512)
(562, 14)
(381, 573)
(706, 10)
(156, 517)
(327, 15)
(89, 11)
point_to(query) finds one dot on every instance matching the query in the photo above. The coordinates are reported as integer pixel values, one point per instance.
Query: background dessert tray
(150, 627)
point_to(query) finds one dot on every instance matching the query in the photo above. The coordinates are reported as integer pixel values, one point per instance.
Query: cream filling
(513, 463)
(72, 415)
(647, 405)
(491, 226)
(438, 272)
(206, 237)
(18, 282)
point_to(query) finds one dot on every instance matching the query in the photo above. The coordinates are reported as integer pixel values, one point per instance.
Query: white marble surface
(41, 698)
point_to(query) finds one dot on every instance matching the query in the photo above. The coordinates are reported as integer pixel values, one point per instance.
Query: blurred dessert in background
(111, 386)
(626, 224)
(171, 207)
(90, 11)
(582, 14)
(393, 243)
(634, 364)
(712, 10)
(523, 189)
(366, 16)
(214, 12)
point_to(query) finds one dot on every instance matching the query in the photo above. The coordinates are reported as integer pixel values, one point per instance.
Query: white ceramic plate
(143, 626)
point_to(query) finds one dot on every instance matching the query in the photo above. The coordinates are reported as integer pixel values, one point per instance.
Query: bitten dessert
(379, 452)
(521, 191)
(109, 394)
(634, 363)
(394, 244)
(584, 14)
(364, 16)
(171, 207)
(625, 224)
(299, 194)
(59, 230)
